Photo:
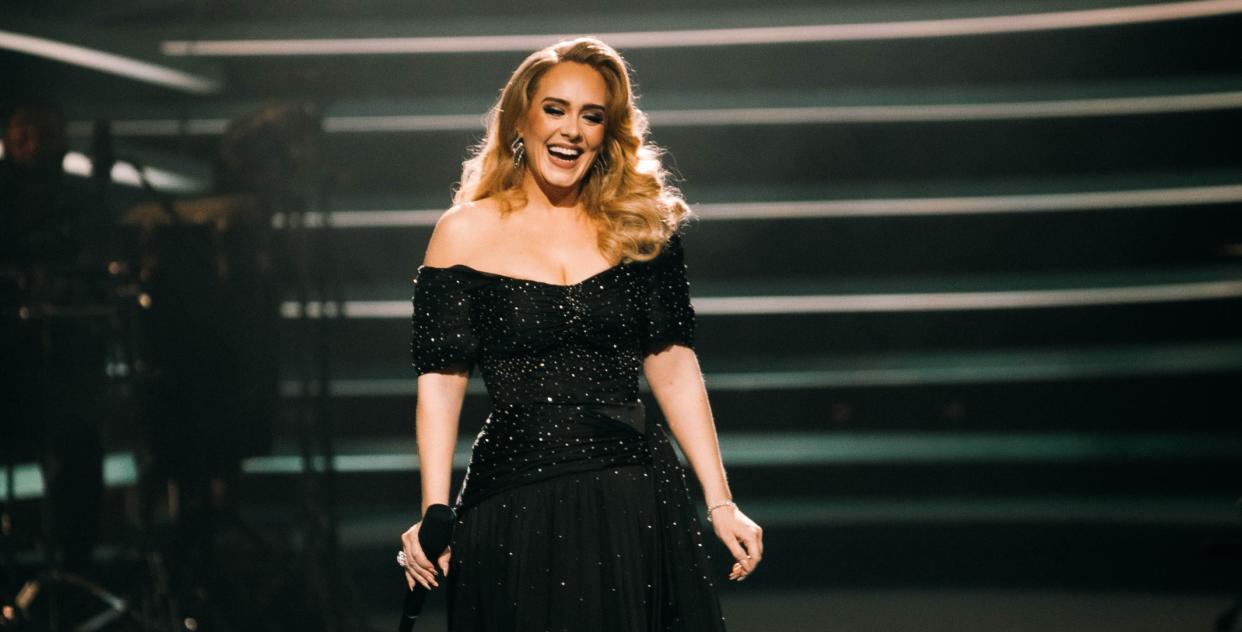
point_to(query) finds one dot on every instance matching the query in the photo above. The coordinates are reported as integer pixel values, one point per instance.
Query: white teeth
(567, 154)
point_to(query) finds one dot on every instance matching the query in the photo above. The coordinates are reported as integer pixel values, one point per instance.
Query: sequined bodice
(563, 344)
(561, 365)
(538, 342)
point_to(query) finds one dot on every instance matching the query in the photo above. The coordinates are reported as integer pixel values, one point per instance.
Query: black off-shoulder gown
(575, 513)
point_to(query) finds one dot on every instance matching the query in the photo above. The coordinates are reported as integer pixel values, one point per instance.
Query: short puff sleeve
(670, 316)
(442, 335)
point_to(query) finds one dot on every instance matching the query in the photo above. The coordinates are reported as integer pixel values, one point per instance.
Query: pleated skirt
(578, 552)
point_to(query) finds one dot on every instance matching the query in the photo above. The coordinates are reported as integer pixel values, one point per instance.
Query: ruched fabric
(442, 333)
(574, 513)
(670, 316)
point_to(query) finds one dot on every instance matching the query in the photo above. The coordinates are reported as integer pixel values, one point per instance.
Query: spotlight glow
(108, 62)
(688, 38)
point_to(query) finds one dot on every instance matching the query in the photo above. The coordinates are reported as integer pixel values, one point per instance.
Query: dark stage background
(967, 275)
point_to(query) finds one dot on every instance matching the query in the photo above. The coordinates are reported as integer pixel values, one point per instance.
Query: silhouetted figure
(211, 267)
(53, 238)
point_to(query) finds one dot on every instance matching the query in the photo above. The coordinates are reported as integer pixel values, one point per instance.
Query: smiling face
(564, 128)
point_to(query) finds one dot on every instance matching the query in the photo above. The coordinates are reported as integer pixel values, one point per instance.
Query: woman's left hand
(742, 536)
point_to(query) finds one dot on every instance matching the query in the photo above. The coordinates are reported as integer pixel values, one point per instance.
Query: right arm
(436, 414)
(440, 394)
(438, 409)
(440, 397)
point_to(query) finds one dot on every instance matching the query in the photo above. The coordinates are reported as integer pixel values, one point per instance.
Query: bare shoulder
(460, 232)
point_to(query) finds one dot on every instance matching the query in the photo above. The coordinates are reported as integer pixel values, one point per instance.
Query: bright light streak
(909, 29)
(961, 301)
(872, 303)
(816, 115)
(872, 207)
(78, 164)
(110, 63)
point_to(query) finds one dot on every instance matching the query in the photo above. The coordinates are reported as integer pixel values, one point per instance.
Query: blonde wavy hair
(636, 208)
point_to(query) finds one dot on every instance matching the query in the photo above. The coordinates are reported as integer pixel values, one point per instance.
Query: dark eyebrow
(593, 106)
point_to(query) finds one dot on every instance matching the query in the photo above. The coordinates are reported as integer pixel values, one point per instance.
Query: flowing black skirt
(577, 519)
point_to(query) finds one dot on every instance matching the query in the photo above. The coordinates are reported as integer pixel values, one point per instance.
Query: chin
(562, 180)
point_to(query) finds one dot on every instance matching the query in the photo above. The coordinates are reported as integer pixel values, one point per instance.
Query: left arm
(678, 386)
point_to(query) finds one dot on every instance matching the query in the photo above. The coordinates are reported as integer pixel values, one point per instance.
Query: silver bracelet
(718, 506)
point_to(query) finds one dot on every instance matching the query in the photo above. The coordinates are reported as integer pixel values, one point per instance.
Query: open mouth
(564, 156)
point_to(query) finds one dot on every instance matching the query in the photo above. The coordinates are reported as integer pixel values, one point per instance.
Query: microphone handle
(433, 536)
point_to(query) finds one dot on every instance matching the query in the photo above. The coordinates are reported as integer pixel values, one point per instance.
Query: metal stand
(314, 413)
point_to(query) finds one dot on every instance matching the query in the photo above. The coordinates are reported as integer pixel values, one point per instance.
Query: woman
(560, 272)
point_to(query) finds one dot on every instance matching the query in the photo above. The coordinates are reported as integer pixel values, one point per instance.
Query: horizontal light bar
(872, 303)
(375, 530)
(883, 207)
(787, 449)
(693, 38)
(783, 449)
(403, 123)
(972, 205)
(108, 63)
(1041, 371)
(962, 368)
(331, 124)
(363, 219)
(118, 469)
(1064, 108)
(924, 510)
(121, 471)
(954, 301)
(352, 309)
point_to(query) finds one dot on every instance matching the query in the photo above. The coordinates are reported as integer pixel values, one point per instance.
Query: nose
(570, 127)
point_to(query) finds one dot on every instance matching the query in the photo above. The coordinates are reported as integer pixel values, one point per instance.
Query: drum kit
(174, 312)
(161, 328)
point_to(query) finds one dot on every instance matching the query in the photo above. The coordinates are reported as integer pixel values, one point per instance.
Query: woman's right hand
(417, 566)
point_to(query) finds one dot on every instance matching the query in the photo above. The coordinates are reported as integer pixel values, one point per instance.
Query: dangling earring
(600, 166)
(519, 151)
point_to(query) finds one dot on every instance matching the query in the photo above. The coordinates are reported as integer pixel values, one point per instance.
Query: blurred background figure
(52, 259)
(209, 266)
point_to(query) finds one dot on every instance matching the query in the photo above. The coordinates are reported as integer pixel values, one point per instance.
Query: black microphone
(433, 536)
